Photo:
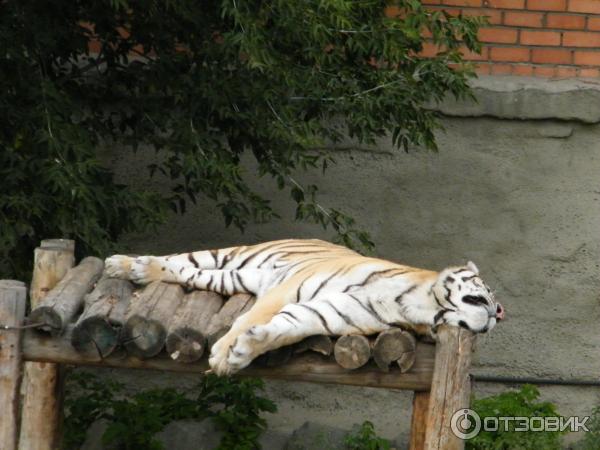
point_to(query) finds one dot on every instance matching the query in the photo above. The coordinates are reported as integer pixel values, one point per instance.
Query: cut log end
(321, 344)
(143, 338)
(394, 345)
(275, 358)
(96, 335)
(48, 319)
(352, 351)
(185, 345)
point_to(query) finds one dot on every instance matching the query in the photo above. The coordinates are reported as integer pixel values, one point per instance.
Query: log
(275, 358)
(397, 346)
(41, 410)
(235, 306)
(149, 313)
(62, 304)
(352, 351)
(320, 343)
(186, 337)
(13, 299)
(450, 387)
(418, 420)
(309, 367)
(99, 328)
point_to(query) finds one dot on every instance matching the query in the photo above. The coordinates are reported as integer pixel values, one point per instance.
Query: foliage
(520, 403)
(591, 439)
(203, 84)
(232, 404)
(365, 438)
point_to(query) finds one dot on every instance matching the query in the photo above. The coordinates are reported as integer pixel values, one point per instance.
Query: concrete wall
(519, 197)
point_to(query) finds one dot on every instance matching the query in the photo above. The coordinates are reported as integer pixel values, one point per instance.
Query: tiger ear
(472, 267)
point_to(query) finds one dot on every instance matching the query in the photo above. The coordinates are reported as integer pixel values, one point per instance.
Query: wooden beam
(418, 421)
(13, 298)
(450, 386)
(308, 366)
(41, 410)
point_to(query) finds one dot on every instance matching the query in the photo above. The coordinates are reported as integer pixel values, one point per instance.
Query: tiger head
(465, 300)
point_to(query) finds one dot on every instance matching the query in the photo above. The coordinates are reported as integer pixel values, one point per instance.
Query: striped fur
(308, 287)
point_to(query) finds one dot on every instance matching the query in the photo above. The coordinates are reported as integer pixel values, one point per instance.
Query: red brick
(581, 39)
(544, 71)
(582, 58)
(566, 21)
(524, 70)
(514, 54)
(432, 2)
(508, 4)
(483, 69)
(593, 23)
(463, 2)
(501, 69)
(551, 56)
(429, 50)
(589, 73)
(566, 72)
(472, 56)
(540, 37)
(494, 16)
(585, 6)
(498, 35)
(523, 19)
(547, 5)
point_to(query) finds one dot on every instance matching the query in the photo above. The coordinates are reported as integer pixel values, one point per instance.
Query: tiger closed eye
(474, 300)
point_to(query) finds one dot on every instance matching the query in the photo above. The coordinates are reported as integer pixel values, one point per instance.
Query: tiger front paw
(140, 270)
(227, 359)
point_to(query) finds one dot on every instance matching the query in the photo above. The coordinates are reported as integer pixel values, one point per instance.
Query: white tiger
(309, 287)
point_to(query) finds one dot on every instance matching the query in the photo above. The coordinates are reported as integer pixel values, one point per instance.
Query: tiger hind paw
(229, 359)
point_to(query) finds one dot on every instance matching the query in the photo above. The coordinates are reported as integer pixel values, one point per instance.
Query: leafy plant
(133, 421)
(203, 84)
(591, 439)
(521, 403)
(365, 438)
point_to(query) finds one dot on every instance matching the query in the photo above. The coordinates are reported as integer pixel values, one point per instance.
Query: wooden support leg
(450, 387)
(42, 388)
(418, 422)
(13, 298)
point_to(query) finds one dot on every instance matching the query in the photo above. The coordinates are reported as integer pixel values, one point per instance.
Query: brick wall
(547, 38)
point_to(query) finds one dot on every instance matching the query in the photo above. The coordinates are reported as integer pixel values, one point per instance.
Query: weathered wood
(274, 358)
(149, 313)
(320, 343)
(99, 326)
(235, 306)
(352, 351)
(418, 421)
(310, 367)
(65, 300)
(394, 345)
(13, 299)
(66, 244)
(450, 388)
(186, 337)
(41, 410)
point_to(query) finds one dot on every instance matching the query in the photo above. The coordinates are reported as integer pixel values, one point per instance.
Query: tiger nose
(499, 312)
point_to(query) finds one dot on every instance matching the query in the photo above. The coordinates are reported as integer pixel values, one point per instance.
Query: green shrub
(365, 438)
(520, 403)
(591, 439)
(133, 421)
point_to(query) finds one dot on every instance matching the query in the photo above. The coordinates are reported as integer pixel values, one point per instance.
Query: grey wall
(520, 197)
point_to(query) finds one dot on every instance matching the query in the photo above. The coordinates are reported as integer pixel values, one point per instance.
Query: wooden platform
(79, 318)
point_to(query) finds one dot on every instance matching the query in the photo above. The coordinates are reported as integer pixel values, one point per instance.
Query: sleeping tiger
(310, 287)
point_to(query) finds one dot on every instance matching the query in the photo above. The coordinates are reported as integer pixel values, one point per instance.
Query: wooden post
(450, 386)
(418, 421)
(42, 388)
(13, 298)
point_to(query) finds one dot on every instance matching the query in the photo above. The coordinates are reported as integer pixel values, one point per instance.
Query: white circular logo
(462, 421)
